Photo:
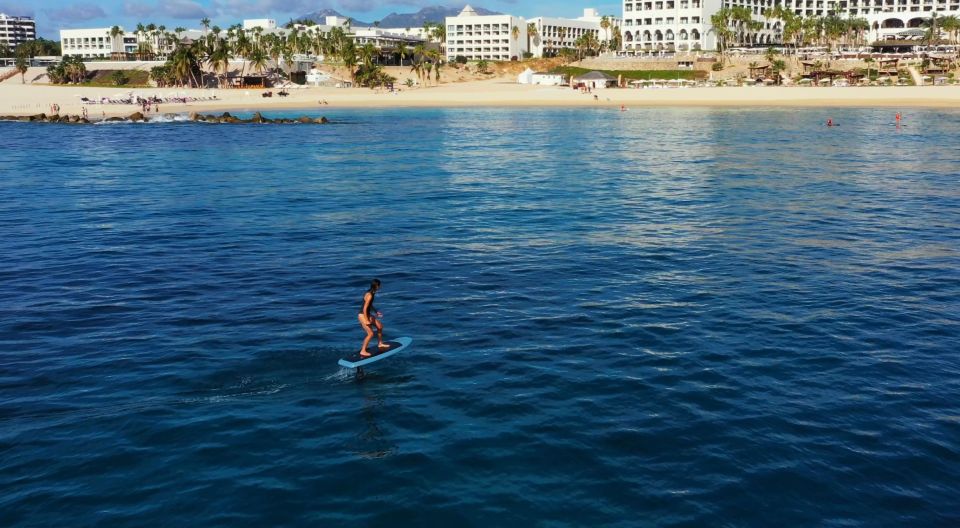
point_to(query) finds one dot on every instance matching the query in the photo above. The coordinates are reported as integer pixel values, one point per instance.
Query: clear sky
(53, 15)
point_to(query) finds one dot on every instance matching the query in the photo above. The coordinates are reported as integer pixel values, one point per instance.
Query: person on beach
(370, 318)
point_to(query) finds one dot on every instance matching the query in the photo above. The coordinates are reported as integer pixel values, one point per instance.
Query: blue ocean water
(663, 317)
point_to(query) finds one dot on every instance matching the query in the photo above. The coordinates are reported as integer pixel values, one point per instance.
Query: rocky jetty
(138, 117)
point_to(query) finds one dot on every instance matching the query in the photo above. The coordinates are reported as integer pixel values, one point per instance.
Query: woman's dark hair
(375, 284)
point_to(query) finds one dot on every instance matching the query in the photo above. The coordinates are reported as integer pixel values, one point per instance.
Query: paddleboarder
(370, 318)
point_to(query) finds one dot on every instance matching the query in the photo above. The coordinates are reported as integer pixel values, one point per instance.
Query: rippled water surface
(652, 318)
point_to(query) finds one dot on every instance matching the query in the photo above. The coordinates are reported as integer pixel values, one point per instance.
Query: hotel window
(695, 20)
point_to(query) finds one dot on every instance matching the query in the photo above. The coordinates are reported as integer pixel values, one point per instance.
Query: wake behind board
(356, 361)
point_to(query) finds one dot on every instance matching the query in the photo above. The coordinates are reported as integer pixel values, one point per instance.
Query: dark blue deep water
(665, 317)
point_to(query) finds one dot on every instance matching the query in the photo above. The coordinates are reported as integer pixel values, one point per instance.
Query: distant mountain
(320, 17)
(436, 14)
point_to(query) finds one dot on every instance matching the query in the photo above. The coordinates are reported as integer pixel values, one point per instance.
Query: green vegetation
(32, 48)
(266, 52)
(21, 66)
(635, 75)
(70, 70)
(114, 78)
(119, 77)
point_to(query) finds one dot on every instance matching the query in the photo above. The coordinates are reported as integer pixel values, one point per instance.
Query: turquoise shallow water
(662, 317)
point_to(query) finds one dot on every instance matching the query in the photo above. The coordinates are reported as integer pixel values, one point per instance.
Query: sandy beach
(26, 99)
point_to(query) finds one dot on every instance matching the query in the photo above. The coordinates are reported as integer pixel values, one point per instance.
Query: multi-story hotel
(15, 30)
(486, 37)
(504, 37)
(684, 25)
(681, 25)
(96, 43)
(99, 43)
(557, 33)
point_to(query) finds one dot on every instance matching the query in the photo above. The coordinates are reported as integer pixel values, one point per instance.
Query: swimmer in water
(369, 319)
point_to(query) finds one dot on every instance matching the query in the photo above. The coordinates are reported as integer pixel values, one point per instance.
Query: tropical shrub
(119, 77)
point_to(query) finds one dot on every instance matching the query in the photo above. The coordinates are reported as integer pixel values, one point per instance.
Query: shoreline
(25, 100)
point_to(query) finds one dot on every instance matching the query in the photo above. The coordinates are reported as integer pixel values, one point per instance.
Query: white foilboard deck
(355, 360)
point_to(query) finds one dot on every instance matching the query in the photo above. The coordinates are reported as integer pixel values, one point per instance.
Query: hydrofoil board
(355, 360)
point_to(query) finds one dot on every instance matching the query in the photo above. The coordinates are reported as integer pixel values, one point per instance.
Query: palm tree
(436, 69)
(743, 23)
(532, 33)
(219, 59)
(515, 32)
(951, 24)
(205, 22)
(115, 32)
(428, 31)
(417, 68)
(419, 56)
(368, 53)
(349, 57)
(440, 33)
(402, 51)
(933, 29)
(720, 25)
(21, 65)
(258, 59)
(605, 26)
(616, 40)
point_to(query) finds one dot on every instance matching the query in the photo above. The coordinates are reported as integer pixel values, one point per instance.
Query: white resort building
(15, 30)
(487, 37)
(554, 34)
(102, 43)
(96, 43)
(681, 25)
(684, 25)
(505, 37)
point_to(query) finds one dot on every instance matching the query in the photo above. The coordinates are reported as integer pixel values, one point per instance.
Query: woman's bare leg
(365, 324)
(380, 343)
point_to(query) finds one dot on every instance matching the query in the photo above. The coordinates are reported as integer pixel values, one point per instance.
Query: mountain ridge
(435, 14)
